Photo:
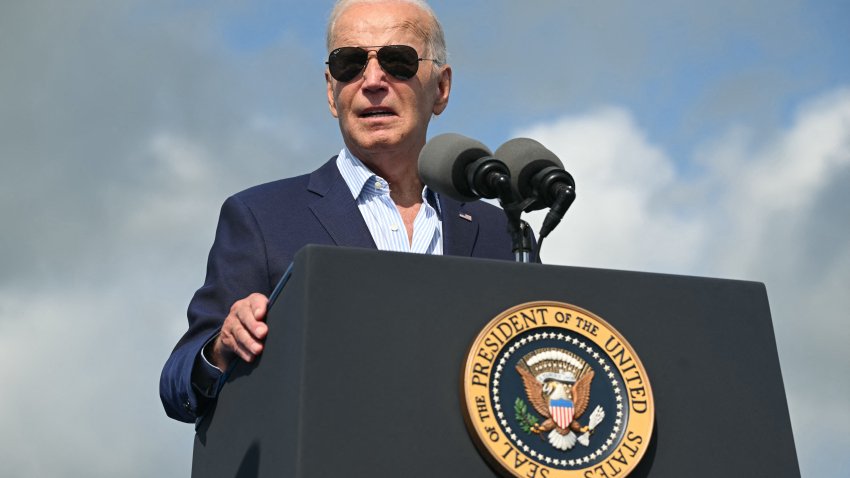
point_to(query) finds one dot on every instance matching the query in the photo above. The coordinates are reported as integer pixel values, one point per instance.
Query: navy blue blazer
(260, 230)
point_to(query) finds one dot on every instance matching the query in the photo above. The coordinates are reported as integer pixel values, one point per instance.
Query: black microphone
(463, 168)
(539, 178)
(536, 173)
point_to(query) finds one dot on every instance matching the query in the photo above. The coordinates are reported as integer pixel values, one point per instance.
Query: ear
(331, 99)
(444, 87)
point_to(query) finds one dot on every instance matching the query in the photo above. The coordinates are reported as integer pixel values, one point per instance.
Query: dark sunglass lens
(347, 62)
(401, 61)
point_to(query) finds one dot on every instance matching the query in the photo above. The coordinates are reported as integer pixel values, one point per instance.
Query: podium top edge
(309, 251)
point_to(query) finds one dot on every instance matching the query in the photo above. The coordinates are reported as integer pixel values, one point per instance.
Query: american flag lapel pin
(466, 216)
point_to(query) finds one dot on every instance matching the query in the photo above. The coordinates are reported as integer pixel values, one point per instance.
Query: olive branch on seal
(526, 419)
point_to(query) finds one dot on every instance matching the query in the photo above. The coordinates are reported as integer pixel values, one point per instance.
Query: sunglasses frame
(382, 61)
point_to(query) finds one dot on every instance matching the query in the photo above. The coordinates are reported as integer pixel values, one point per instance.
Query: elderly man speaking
(386, 76)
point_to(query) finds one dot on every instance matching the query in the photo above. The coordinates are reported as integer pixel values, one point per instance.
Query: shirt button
(379, 185)
(394, 227)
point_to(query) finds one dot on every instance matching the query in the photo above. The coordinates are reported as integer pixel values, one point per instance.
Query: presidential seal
(552, 390)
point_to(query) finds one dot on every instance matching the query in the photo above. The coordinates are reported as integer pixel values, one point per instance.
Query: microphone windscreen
(524, 158)
(443, 162)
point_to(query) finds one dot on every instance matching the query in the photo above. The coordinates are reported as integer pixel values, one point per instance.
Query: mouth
(376, 112)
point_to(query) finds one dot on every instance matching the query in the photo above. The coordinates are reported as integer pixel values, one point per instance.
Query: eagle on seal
(557, 384)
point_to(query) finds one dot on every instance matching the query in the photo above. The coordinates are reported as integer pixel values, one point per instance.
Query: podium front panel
(360, 375)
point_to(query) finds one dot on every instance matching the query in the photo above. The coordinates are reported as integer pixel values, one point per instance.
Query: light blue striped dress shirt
(383, 219)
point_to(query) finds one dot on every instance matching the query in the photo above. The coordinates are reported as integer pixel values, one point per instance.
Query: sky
(706, 138)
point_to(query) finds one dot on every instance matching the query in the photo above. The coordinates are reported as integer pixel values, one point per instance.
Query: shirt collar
(358, 176)
(353, 171)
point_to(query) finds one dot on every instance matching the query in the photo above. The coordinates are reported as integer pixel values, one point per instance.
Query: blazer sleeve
(237, 267)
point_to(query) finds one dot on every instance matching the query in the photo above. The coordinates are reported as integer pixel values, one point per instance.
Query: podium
(360, 374)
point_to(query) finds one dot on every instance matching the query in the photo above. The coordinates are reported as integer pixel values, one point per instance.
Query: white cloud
(777, 211)
(767, 191)
(624, 189)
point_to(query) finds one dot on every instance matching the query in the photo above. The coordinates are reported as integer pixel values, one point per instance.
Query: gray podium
(360, 376)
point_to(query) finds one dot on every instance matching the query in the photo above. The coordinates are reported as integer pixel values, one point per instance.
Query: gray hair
(435, 39)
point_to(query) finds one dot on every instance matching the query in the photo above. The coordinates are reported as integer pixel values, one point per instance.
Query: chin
(377, 142)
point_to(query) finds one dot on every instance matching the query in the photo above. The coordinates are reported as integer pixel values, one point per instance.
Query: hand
(242, 332)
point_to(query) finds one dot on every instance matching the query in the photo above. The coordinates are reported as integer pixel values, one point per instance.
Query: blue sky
(706, 138)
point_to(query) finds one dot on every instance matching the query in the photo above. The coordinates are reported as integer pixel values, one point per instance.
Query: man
(386, 76)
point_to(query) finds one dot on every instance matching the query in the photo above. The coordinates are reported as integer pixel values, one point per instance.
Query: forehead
(373, 24)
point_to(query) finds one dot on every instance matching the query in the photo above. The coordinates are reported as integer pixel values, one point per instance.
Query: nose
(373, 74)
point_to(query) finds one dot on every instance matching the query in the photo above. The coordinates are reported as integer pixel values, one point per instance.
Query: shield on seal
(561, 411)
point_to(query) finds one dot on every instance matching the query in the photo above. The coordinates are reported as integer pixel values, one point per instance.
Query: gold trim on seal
(562, 356)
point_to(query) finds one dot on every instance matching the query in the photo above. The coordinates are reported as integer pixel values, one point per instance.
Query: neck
(401, 172)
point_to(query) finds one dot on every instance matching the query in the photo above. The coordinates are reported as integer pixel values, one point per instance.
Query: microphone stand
(521, 237)
(519, 230)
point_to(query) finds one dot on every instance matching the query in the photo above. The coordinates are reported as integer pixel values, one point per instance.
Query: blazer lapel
(337, 210)
(460, 229)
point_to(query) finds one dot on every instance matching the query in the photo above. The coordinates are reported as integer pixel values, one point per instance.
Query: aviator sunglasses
(400, 61)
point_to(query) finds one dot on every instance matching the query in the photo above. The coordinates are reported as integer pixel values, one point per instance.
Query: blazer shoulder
(279, 189)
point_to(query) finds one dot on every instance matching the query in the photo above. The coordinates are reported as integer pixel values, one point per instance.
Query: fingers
(243, 330)
(246, 326)
(252, 313)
